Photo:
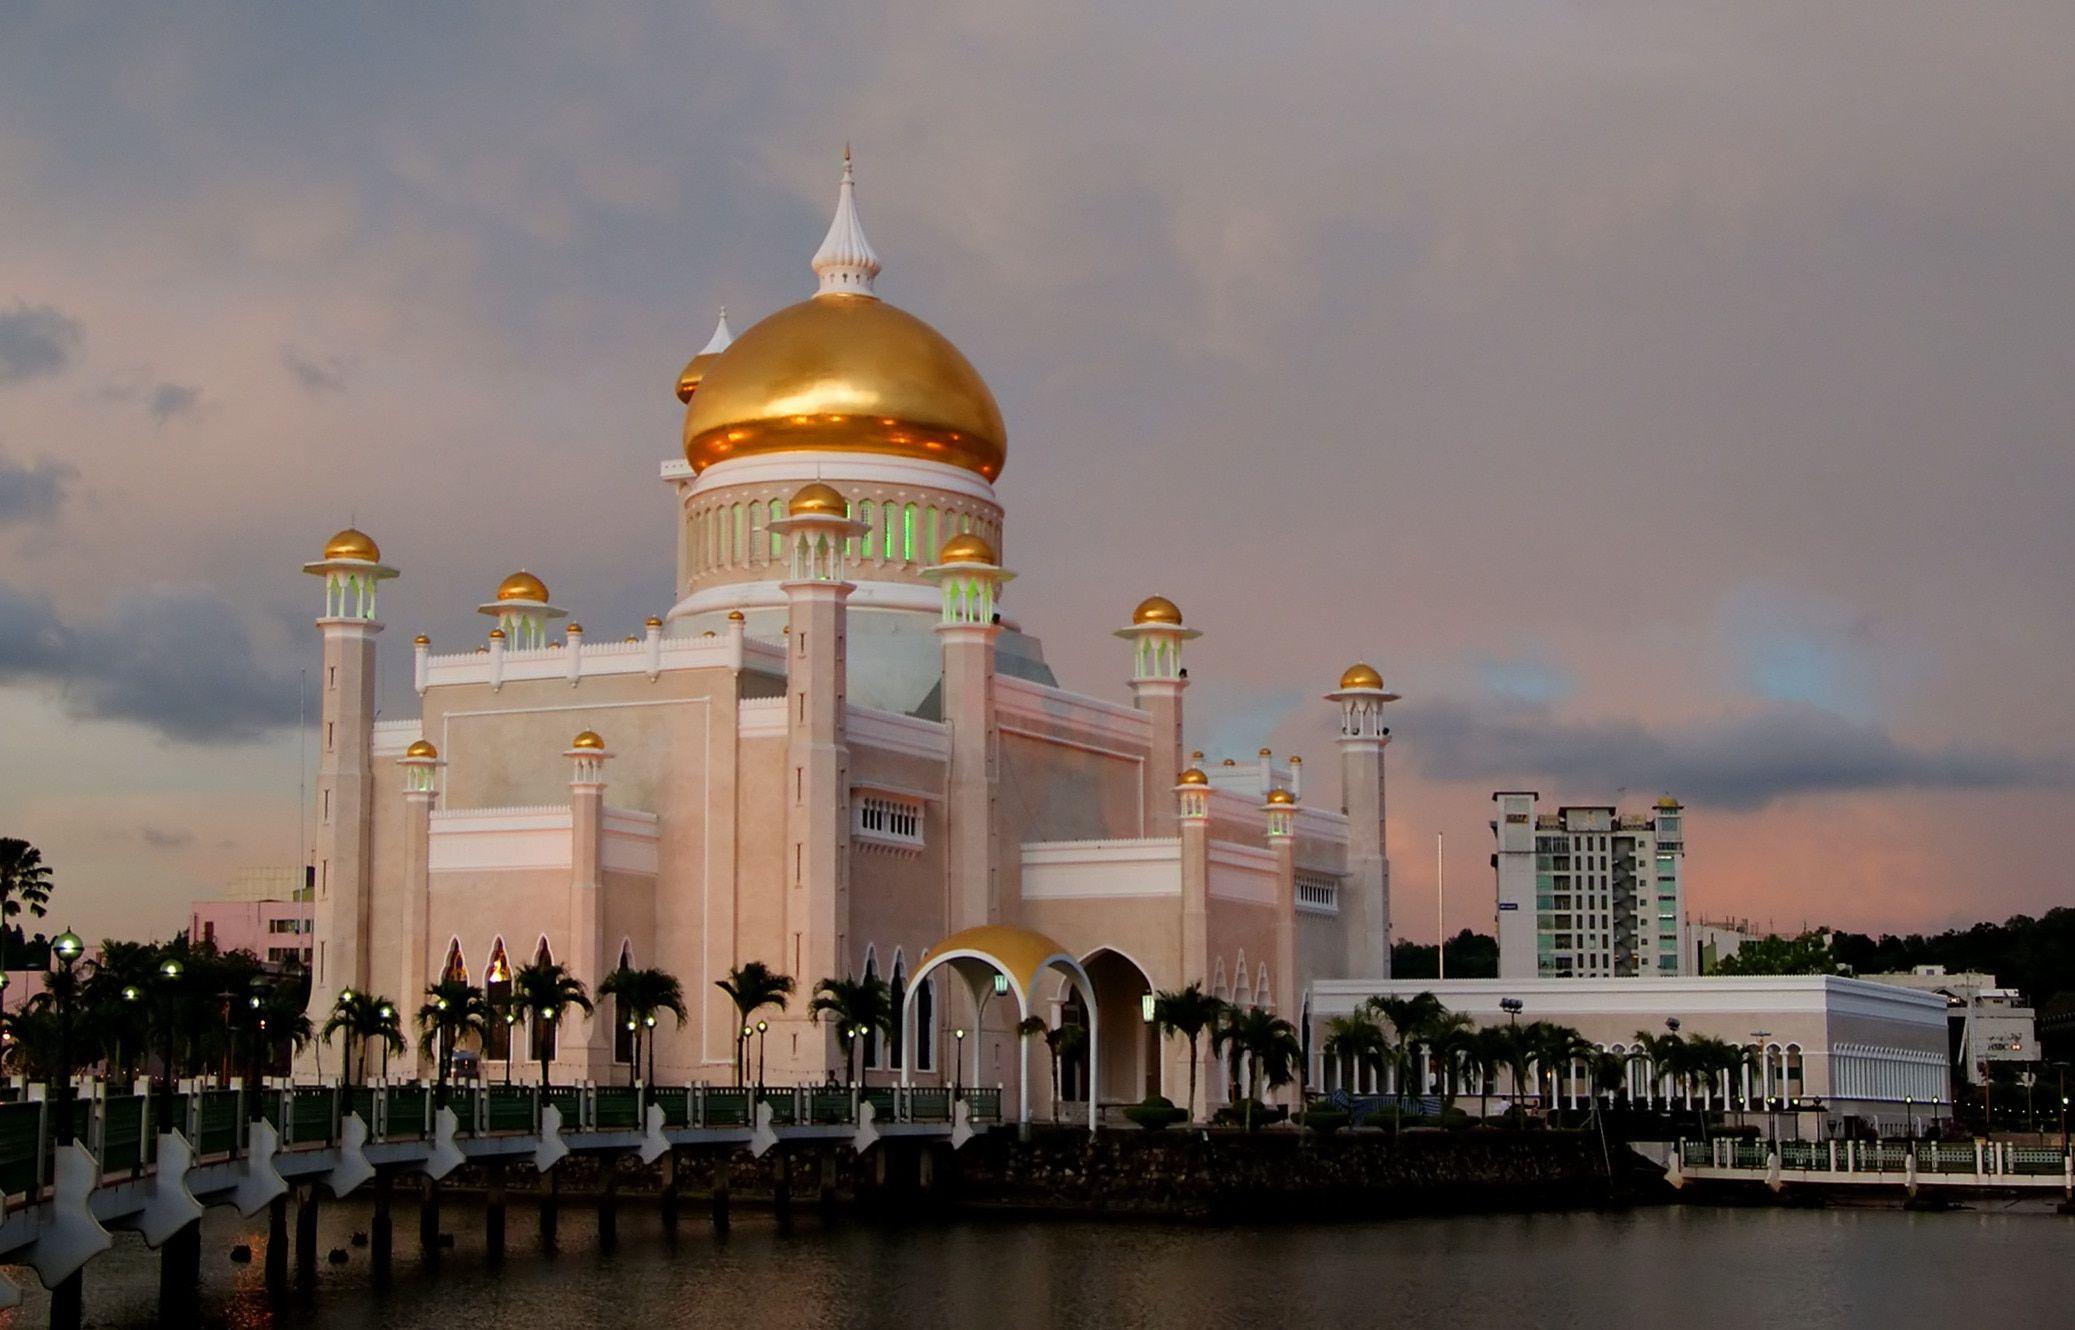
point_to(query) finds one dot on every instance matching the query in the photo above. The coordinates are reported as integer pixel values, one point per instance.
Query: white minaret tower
(1365, 900)
(352, 568)
(1157, 681)
(421, 767)
(522, 612)
(971, 583)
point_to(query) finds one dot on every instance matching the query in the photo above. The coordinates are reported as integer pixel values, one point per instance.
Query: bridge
(1910, 1167)
(72, 1173)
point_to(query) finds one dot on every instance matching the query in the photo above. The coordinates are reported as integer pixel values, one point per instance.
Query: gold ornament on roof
(421, 748)
(1194, 776)
(966, 547)
(652, 622)
(353, 544)
(1360, 675)
(522, 585)
(1279, 795)
(818, 500)
(1157, 609)
(589, 741)
(421, 640)
(735, 616)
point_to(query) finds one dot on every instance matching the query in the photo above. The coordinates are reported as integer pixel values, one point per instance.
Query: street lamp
(958, 1067)
(170, 970)
(762, 1027)
(1001, 984)
(511, 1036)
(67, 948)
(1512, 1007)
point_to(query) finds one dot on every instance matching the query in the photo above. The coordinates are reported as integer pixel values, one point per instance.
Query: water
(1681, 1266)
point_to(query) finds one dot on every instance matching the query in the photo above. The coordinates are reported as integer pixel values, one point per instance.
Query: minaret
(1157, 680)
(522, 612)
(971, 583)
(1365, 898)
(1191, 797)
(817, 819)
(587, 756)
(421, 764)
(351, 568)
(1281, 808)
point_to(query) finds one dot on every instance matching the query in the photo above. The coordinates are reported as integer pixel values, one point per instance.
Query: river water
(1685, 1266)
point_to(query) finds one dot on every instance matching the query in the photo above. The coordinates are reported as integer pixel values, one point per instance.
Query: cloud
(1739, 762)
(160, 838)
(314, 376)
(168, 400)
(34, 340)
(175, 659)
(1525, 678)
(33, 492)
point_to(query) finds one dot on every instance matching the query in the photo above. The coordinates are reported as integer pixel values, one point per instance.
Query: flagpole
(1440, 913)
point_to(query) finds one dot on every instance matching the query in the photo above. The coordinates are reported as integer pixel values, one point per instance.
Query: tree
(119, 1003)
(1186, 1012)
(855, 1005)
(24, 883)
(1061, 1043)
(751, 986)
(547, 991)
(1471, 955)
(1449, 1035)
(1808, 953)
(363, 1018)
(1490, 1048)
(1271, 1049)
(1406, 1018)
(1555, 1049)
(640, 997)
(453, 1008)
(1357, 1041)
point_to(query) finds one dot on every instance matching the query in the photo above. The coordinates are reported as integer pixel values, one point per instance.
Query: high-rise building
(1589, 890)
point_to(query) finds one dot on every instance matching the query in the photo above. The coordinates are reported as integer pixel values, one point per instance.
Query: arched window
(908, 533)
(738, 537)
(756, 532)
(1263, 994)
(889, 541)
(897, 1041)
(777, 512)
(456, 968)
(926, 1026)
(1217, 983)
(930, 544)
(865, 514)
(692, 538)
(497, 988)
(622, 1030)
(870, 1055)
(542, 1030)
(1242, 995)
(850, 542)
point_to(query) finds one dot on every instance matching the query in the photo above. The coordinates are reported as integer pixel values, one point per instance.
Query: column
(421, 763)
(1158, 679)
(1365, 911)
(591, 1049)
(970, 582)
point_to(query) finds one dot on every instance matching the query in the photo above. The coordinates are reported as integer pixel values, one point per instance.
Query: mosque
(838, 753)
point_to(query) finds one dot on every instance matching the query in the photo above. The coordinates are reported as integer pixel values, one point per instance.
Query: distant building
(266, 911)
(1589, 891)
(1988, 1023)
(1712, 941)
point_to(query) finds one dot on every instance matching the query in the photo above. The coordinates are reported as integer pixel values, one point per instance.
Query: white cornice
(1036, 704)
(833, 466)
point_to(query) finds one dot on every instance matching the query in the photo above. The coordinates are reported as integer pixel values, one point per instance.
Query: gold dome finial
(736, 616)
(966, 547)
(1264, 753)
(652, 622)
(589, 741)
(421, 640)
(1157, 609)
(421, 748)
(1279, 795)
(695, 369)
(497, 634)
(818, 500)
(1360, 675)
(522, 585)
(1195, 776)
(353, 543)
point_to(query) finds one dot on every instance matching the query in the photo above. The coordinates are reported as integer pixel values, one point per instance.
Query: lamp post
(1909, 1114)
(170, 970)
(1152, 1046)
(958, 1066)
(255, 1001)
(648, 1081)
(762, 1028)
(387, 1013)
(511, 1036)
(67, 948)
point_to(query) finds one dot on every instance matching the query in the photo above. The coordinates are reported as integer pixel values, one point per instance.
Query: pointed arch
(866, 515)
(1217, 983)
(455, 966)
(1263, 994)
(542, 1033)
(775, 514)
(1242, 981)
(896, 1045)
(497, 988)
(871, 1048)
(622, 1033)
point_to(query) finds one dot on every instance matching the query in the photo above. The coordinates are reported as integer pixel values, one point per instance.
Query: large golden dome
(847, 372)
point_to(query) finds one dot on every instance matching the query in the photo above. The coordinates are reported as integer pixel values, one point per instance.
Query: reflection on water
(1700, 1267)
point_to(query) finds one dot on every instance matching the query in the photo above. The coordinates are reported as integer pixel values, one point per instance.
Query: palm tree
(1356, 1040)
(284, 1016)
(363, 1018)
(750, 986)
(546, 990)
(1449, 1035)
(118, 1001)
(24, 882)
(1489, 1049)
(1665, 1055)
(453, 1008)
(1186, 1012)
(857, 1006)
(639, 997)
(1405, 1019)
(1556, 1049)
(1272, 1049)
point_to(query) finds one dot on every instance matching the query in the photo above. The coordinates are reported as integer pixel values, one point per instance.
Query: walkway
(1909, 1165)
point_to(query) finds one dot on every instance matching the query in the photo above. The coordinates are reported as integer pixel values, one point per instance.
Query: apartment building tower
(1589, 890)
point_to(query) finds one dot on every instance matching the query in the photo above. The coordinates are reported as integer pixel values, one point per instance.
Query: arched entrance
(1000, 962)
(1130, 1065)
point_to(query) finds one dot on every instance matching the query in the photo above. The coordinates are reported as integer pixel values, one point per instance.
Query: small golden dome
(1157, 609)
(735, 616)
(1279, 795)
(1195, 776)
(421, 640)
(632, 638)
(421, 748)
(353, 544)
(1668, 803)
(497, 634)
(1265, 753)
(1361, 676)
(1196, 756)
(1296, 761)
(1230, 763)
(694, 374)
(522, 585)
(652, 622)
(818, 500)
(966, 548)
(847, 372)
(588, 740)
(574, 630)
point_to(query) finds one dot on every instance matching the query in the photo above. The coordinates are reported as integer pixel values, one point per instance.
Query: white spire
(723, 336)
(845, 261)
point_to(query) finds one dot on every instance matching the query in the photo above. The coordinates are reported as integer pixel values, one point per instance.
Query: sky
(1667, 399)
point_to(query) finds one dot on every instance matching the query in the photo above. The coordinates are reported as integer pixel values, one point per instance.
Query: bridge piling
(493, 1214)
(180, 1276)
(428, 1221)
(827, 1163)
(277, 1244)
(68, 1302)
(723, 1171)
(782, 1190)
(381, 1231)
(306, 1236)
(667, 1202)
(550, 1206)
(608, 1201)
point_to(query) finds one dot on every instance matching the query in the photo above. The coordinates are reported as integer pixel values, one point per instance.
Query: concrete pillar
(421, 766)
(277, 1244)
(1365, 900)
(429, 1221)
(668, 1201)
(586, 1045)
(1191, 796)
(782, 1189)
(1281, 810)
(381, 1229)
(550, 1206)
(306, 1236)
(723, 1177)
(493, 1213)
(68, 1302)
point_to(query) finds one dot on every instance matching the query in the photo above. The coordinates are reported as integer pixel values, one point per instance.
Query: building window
(888, 819)
(1318, 893)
